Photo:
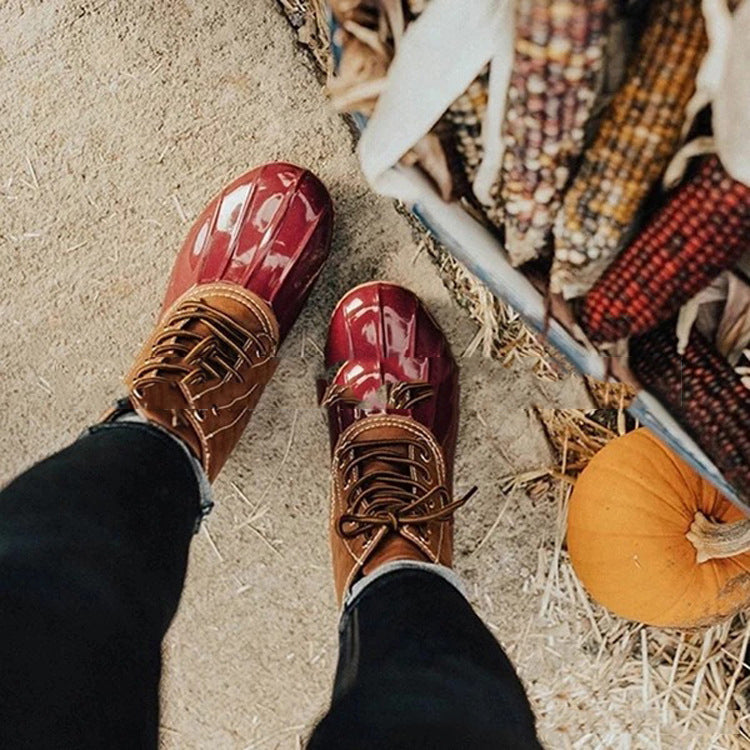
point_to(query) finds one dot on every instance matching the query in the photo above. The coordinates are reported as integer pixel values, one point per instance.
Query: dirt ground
(119, 121)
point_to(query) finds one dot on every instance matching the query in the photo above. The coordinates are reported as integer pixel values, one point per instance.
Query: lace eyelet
(423, 449)
(199, 415)
(137, 393)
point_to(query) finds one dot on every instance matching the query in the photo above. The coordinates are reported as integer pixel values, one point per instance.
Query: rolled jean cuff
(356, 591)
(130, 420)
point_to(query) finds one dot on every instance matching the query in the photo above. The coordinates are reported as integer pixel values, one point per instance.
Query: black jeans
(93, 553)
(419, 670)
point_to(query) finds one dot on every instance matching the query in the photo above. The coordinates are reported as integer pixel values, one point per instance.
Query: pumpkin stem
(714, 540)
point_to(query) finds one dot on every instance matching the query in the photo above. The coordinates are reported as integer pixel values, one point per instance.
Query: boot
(392, 402)
(239, 282)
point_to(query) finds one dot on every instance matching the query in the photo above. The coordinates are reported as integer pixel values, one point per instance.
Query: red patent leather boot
(392, 402)
(239, 282)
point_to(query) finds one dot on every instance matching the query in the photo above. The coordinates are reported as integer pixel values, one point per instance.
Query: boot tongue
(379, 462)
(380, 465)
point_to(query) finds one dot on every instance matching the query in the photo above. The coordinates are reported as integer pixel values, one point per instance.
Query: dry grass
(640, 687)
(308, 17)
(610, 395)
(501, 334)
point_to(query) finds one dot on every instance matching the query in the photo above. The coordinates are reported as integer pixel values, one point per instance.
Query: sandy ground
(118, 123)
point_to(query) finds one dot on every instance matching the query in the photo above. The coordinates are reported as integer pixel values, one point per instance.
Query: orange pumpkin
(639, 521)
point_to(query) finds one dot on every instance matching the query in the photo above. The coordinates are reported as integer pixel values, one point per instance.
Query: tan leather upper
(389, 499)
(203, 369)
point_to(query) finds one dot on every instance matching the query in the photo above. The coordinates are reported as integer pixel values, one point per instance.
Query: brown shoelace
(395, 496)
(197, 356)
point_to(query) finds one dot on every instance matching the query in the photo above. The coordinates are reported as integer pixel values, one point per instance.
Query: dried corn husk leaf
(733, 335)
(360, 11)
(705, 305)
(721, 312)
(394, 15)
(370, 34)
(360, 78)
(699, 146)
(721, 81)
(431, 157)
(743, 368)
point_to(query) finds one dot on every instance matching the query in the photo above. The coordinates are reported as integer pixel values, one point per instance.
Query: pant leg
(93, 553)
(418, 670)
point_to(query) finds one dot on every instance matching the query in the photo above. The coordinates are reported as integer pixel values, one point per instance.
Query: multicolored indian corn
(703, 392)
(637, 137)
(559, 53)
(465, 116)
(702, 230)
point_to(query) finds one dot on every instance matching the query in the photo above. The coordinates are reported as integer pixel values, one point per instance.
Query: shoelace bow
(202, 355)
(392, 497)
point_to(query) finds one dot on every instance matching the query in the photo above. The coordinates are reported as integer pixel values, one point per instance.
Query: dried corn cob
(465, 117)
(559, 52)
(638, 135)
(704, 229)
(704, 393)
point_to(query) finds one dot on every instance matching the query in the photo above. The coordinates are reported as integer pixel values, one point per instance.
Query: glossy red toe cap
(381, 336)
(380, 320)
(268, 231)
